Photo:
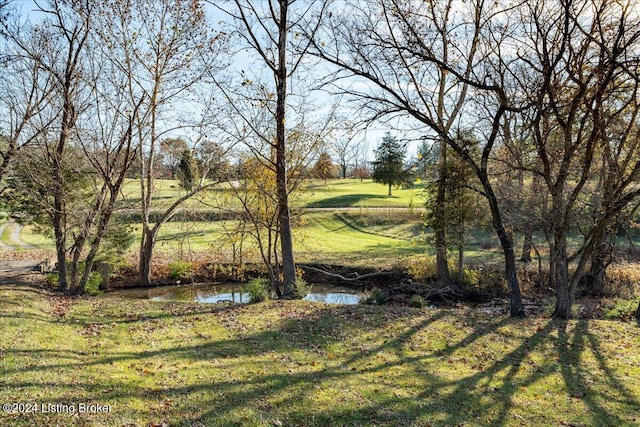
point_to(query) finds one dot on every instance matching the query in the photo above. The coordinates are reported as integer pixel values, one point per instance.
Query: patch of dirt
(59, 303)
(23, 278)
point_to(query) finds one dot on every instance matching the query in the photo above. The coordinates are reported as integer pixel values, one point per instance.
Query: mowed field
(113, 362)
(340, 221)
(347, 222)
(107, 361)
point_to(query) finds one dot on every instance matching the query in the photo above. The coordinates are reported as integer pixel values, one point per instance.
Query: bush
(621, 310)
(416, 301)
(93, 284)
(376, 297)
(421, 268)
(179, 270)
(258, 290)
(299, 289)
(470, 278)
(52, 280)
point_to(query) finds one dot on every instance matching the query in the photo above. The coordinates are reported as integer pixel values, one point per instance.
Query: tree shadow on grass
(392, 368)
(362, 228)
(344, 201)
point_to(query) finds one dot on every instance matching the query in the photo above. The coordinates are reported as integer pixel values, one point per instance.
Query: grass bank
(297, 363)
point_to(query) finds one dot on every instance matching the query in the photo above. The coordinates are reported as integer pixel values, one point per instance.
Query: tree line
(531, 105)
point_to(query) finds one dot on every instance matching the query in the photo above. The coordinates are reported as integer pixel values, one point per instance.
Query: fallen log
(350, 279)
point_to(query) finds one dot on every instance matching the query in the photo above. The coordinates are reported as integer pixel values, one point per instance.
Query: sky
(370, 136)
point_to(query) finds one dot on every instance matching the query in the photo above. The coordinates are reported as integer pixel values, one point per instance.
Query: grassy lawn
(345, 238)
(297, 363)
(353, 193)
(378, 239)
(335, 193)
(357, 224)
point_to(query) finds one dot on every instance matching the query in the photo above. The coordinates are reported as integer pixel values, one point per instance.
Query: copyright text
(55, 408)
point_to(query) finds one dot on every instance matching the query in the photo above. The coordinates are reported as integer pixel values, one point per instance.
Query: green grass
(297, 363)
(6, 236)
(348, 193)
(379, 238)
(356, 223)
(335, 193)
(350, 238)
(30, 237)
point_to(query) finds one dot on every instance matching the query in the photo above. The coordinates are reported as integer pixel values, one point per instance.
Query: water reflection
(234, 293)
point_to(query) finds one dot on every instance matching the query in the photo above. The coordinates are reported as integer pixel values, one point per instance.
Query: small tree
(388, 167)
(173, 149)
(187, 172)
(324, 167)
(462, 209)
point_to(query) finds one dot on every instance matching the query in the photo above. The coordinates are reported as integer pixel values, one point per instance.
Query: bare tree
(343, 150)
(422, 59)
(583, 55)
(271, 30)
(55, 101)
(165, 48)
(26, 89)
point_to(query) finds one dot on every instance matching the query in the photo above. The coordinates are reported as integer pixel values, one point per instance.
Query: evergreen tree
(388, 167)
(324, 168)
(187, 171)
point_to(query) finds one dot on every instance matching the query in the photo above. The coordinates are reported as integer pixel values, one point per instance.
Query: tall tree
(255, 189)
(271, 30)
(422, 59)
(343, 149)
(62, 35)
(584, 119)
(97, 150)
(187, 173)
(388, 166)
(324, 167)
(166, 49)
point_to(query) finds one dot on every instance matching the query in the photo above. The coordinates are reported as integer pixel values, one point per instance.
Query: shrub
(421, 268)
(376, 297)
(180, 270)
(52, 280)
(93, 284)
(622, 281)
(416, 301)
(621, 310)
(470, 278)
(258, 290)
(299, 288)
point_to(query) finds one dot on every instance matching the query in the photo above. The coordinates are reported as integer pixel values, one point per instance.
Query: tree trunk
(74, 271)
(506, 242)
(60, 252)
(601, 257)
(443, 276)
(389, 193)
(552, 266)
(286, 241)
(105, 218)
(564, 293)
(146, 254)
(515, 297)
(59, 213)
(564, 302)
(528, 242)
(460, 263)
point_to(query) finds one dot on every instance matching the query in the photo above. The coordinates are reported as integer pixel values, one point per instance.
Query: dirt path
(15, 238)
(3, 245)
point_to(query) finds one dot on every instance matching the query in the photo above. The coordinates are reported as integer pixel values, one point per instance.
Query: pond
(234, 293)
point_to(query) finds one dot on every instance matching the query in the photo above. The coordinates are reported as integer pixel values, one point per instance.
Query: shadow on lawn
(439, 399)
(344, 201)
